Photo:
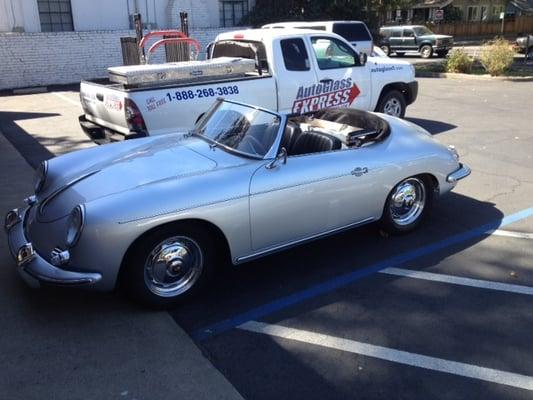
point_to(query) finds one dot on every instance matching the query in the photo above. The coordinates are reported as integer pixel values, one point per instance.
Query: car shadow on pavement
(276, 277)
(27, 145)
(432, 126)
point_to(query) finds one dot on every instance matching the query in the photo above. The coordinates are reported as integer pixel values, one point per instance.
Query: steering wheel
(255, 144)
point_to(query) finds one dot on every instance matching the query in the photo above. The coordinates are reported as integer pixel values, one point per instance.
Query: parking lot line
(456, 280)
(518, 235)
(353, 276)
(392, 355)
(67, 99)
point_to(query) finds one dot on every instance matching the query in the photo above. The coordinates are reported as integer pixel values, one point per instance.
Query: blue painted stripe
(347, 279)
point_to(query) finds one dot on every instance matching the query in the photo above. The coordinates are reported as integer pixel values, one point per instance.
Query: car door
(409, 39)
(293, 63)
(395, 39)
(312, 194)
(340, 78)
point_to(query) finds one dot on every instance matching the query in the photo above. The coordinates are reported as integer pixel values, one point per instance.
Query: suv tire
(426, 51)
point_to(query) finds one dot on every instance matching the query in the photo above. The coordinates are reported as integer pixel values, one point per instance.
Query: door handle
(326, 80)
(359, 171)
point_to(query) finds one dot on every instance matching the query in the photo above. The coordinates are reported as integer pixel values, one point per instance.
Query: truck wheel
(392, 103)
(385, 49)
(407, 205)
(426, 51)
(170, 265)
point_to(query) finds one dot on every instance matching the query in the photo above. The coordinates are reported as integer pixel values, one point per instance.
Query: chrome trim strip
(459, 174)
(294, 243)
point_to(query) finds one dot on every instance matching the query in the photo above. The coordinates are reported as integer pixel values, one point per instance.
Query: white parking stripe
(397, 356)
(67, 99)
(456, 280)
(518, 235)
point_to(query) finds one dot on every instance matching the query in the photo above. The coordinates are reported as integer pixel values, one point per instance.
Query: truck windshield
(243, 129)
(422, 31)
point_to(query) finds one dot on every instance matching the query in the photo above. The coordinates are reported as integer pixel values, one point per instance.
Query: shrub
(459, 61)
(497, 57)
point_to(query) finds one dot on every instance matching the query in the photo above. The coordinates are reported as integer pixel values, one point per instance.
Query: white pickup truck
(295, 71)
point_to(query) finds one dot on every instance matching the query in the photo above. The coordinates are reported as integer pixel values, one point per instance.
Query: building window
(232, 12)
(55, 15)
(472, 13)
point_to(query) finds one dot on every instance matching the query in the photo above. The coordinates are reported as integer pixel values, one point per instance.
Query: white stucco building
(87, 15)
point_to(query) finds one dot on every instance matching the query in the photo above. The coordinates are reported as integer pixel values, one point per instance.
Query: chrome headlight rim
(40, 177)
(75, 224)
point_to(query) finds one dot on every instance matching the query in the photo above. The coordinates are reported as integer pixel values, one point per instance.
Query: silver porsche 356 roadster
(159, 214)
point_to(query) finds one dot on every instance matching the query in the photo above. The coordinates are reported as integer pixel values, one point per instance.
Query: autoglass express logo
(339, 93)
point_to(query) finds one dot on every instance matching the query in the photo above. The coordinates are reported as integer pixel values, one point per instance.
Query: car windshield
(240, 128)
(422, 31)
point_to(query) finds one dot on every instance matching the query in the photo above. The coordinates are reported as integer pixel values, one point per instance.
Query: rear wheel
(407, 205)
(392, 103)
(426, 51)
(386, 49)
(169, 265)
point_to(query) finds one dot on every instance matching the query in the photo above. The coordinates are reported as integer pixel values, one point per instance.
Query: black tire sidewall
(389, 95)
(133, 277)
(386, 49)
(387, 222)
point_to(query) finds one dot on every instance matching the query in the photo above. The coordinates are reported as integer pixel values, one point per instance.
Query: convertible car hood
(121, 170)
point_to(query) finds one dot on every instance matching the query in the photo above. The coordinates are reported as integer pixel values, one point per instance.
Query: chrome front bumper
(459, 174)
(31, 266)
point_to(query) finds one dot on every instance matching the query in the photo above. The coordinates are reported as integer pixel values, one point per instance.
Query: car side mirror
(281, 157)
(363, 58)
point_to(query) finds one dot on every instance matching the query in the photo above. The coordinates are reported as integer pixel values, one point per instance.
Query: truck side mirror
(363, 58)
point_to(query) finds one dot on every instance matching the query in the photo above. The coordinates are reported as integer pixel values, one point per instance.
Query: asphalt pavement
(442, 313)
(66, 344)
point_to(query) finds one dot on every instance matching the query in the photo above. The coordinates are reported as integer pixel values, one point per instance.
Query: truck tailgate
(104, 105)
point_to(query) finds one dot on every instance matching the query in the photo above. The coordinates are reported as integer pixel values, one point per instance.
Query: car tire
(386, 49)
(392, 103)
(169, 265)
(400, 53)
(426, 51)
(442, 54)
(408, 203)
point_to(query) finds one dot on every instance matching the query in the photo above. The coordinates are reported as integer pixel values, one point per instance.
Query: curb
(452, 75)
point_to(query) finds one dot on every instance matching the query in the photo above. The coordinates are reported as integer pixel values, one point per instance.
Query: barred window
(55, 15)
(232, 12)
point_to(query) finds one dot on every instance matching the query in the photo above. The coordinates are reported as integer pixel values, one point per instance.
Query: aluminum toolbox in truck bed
(179, 71)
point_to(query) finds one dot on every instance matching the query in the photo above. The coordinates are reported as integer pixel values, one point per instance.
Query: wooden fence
(511, 26)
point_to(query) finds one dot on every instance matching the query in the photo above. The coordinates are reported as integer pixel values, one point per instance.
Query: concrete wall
(36, 59)
(19, 15)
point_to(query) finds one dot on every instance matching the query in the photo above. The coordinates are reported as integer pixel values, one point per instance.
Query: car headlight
(75, 223)
(40, 176)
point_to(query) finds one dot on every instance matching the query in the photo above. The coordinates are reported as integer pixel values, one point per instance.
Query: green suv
(401, 39)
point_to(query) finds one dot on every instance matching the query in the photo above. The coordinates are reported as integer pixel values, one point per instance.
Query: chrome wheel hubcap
(426, 51)
(407, 201)
(392, 107)
(173, 266)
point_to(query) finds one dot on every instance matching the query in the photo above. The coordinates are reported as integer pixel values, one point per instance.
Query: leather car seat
(314, 142)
